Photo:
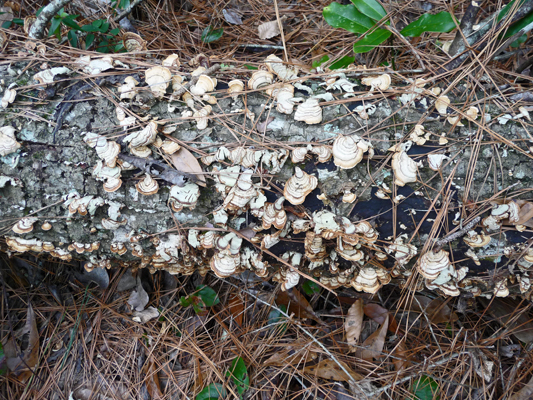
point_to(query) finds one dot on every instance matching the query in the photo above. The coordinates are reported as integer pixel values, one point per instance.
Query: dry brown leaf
(525, 214)
(295, 354)
(184, 161)
(236, 308)
(402, 356)
(526, 393)
(152, 379)
(354, 323)
(268, 30)
(20, 361)
(373, 345)
(329, 369)
(436, 310)
(376, 312)
(508, 312)
(297, 305)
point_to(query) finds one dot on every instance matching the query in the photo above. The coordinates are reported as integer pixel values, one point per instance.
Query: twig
(125, 12)
(159, 170)
(465, 29)
(47, 13)
(456, 235)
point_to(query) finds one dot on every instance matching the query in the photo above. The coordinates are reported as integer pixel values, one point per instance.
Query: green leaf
(505, 10)
(104, 27)
(320, 62)
(89, 28)
(210, 35)
(119, 48)
(72, 38)
(69, 21)
(18, 21)
(274, 317)
(3, 362)
(441, 22)
(114, 32)
(54, 27)
(519, 25)
(310, 288)
(371, 40)
(98, 23)
(425, 388)
(89, 40)
(347, 17)
(39, 11)
(208, 295)
(341, 62)
(186, 301)
(239, 374)
(250, 67)
(371, 8)
(212, 392)
(6, 24)
(519, 41)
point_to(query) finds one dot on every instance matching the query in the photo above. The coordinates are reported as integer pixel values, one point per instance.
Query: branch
(465, 29)
(47, 13)
(125, 12)
(159, 170)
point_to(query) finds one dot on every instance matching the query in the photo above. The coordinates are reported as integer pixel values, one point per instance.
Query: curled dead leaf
(329, 369)
(354, 323)
(184, 161)
(373, 346)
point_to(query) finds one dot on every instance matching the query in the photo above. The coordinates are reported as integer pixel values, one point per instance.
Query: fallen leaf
(525, 214)
(401, 356)
(138, 298)
(297, 304)
(21, 361)
(354, 323)
(376, 312)
(436, 309)
(262, 127)
(236, 308)
(296, 353)
(526, 393)
(145, 315)
(232, 17)
(268, 30)
(329, 369)
(373, 345)
(508, 312)
(184, 161)
(152, 379)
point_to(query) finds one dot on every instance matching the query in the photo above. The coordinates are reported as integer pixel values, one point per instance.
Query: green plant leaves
(517, 26)
(210, 35)
(320, 62)
(347, 17)
(342, 63)
(199, 300)
(310, 287)
(425, 388)
(213, 391)
(441, 22)
(371, 40)
(239, 375)
(370, 8)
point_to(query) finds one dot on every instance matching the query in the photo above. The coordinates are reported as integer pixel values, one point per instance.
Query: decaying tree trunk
(487, 159)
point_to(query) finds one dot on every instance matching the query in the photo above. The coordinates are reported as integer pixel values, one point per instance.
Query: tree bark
(487, 160)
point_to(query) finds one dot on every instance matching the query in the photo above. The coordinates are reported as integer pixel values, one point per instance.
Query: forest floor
(118, 334)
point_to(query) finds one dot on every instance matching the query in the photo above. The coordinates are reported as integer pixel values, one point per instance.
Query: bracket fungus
(186, 196)
(433, 263)
(24, 225)
(147, 186)
(381, 82)
(235, 87)
(8, 142)
(204, 84)
(348, 151)
(158, 79)
(309, 112)
(404, 167)
(260, 79)
(299, 186)
(276, 66)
